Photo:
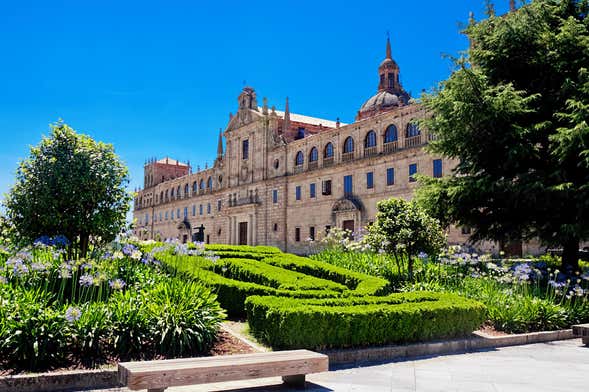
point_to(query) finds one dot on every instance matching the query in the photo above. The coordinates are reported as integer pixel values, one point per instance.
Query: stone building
(283, 177)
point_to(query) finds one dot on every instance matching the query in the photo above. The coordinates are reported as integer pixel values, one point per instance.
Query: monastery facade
(283, 178)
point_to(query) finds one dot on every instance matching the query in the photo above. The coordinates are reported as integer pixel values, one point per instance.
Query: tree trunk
(83, 245)
(570, 255)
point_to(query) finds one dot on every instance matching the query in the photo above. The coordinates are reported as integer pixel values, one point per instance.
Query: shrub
(232, 292)
(359, 321)
(234, 279)
(184, 317)
(359, 283)
(33, 335)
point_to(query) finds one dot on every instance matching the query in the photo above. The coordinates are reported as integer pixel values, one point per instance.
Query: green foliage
(514, 115)
(121, 305)
(359, 283)
(184, 317)
(242, 248)
(69, 185)
(403, 230)
(33, 335)
(235, 279)
(359, 321)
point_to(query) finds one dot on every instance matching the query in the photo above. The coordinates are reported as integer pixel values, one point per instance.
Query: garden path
(551, 367)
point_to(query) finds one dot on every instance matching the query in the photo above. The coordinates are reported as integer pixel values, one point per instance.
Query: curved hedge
(235, 279)
(360, 321)
(295, 302)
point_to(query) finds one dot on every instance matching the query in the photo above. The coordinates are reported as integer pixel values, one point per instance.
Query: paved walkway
(556, 366)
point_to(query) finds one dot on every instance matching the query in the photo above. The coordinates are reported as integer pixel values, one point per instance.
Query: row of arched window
(390, 136)
(197, 187)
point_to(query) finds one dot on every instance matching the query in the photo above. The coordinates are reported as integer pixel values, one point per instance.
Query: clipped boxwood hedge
(287, 323)
(360, 284)
(233, 280)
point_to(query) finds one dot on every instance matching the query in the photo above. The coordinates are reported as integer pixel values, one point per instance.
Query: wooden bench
(156, 376)
(582, 331)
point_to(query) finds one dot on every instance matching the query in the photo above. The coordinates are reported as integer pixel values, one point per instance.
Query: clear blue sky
(160, 78)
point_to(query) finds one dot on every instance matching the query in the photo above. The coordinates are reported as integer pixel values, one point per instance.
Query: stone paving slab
(560, 366)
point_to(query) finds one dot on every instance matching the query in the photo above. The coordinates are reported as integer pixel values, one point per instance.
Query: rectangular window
(312, 194)
(172, 215)
(146, 219)
(166, 215)
(369, 180)
(412, 172)
(465, 230)
(348, 188)
(437, 168)
(245, 149)
(200, 209)
(275, 196)
(219, 204)
(298, 192)
(208, 208)
(297, 234)
(194, 210)
(178, 213)
(160, 216)
(185, 212)
(312, 233)
(390, 176)
(326, 187)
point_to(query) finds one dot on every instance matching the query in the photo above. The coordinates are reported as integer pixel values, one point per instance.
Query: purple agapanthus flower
(117, 284)
(128, 249)
(86, 280)
(73, 314)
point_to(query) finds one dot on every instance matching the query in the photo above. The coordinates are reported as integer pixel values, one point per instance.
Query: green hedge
(287, 323)
(360, 284)
(225, 278)
(242, 248)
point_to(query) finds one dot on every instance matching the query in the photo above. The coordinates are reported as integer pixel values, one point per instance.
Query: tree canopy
(70, 185)
(403, 230)
(515, 115)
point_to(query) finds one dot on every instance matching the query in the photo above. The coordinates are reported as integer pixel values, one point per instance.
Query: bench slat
(189, 371)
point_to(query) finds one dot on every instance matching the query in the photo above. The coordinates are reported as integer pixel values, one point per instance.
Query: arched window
(162, 197)
(194, 187)
(172, 193)
(349, 145)
(178, 191)
(210, 183)
(328, 153)
(202, 185)
(300, 158)
(313, 155)
(370, 140)
(412, 130)
(186, 189)
(390, 135)
(166, 195)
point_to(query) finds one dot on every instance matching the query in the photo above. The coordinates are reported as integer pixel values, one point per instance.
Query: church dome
(382, 100)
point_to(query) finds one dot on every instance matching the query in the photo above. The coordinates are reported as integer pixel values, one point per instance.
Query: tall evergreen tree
(515, 114)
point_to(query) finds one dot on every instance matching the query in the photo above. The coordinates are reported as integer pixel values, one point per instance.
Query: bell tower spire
(388, 72)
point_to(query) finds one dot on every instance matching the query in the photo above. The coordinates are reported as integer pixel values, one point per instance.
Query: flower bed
(56, 312)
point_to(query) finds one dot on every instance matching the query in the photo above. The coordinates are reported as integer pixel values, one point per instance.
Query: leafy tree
(69, 185)
(403, 230)
(515, 114)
